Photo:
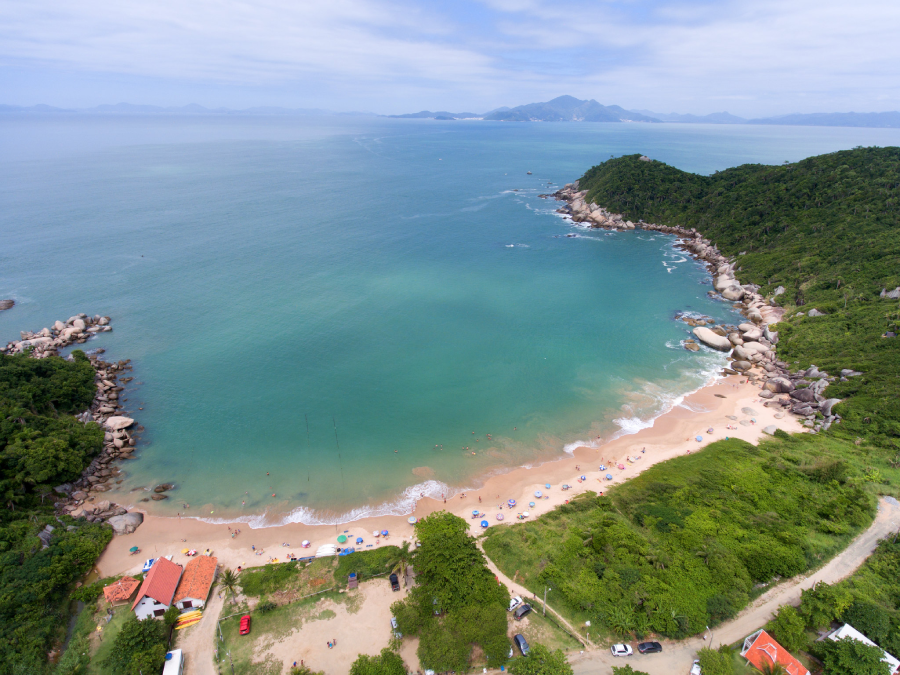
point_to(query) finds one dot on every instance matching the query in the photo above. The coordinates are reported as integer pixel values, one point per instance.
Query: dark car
(522, 644)
(245, 624)
(649, 647)
(395, 582)
(522, 611)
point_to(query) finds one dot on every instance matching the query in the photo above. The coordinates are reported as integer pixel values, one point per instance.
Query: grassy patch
(285, 582)
(688, 542)
(103, 647)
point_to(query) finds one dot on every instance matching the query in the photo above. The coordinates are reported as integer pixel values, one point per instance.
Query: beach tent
(484, 523)
(499, 516)
(376, 533)
(538, 494)
(525, 514)
(359, 540)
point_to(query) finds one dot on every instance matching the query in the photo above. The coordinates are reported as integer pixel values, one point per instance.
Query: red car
(245, 624)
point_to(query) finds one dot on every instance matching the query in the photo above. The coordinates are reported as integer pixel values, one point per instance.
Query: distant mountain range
(571, 109)
(560, 109)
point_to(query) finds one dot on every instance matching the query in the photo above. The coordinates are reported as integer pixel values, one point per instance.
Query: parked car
(621, 650)
(515, 602)
(522, 611)
(695, 669)
(245, 624)
(522, 644)
(397, 633)
(649, 647)
(395, 582)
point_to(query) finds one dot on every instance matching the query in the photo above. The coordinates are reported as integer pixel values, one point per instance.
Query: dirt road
(677, 657)
(199, 642)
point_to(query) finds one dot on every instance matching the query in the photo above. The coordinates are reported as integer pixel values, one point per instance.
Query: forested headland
(41, 446)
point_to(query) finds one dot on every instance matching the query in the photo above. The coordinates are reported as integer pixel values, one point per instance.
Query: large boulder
(779, 385)
(724, 281)
(126, 524)
(733, 293)
(116, 423)
(815, 312)
(828, 404)
(804, 395)
(710, 339)
(7, 304)
(741, 366)
(754, 315)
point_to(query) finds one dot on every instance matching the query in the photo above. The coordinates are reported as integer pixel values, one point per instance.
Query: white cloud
(761, 56)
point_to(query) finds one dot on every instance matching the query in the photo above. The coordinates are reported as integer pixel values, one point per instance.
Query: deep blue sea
(337, 311)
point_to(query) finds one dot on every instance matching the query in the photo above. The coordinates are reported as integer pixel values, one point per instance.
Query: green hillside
(827, 229)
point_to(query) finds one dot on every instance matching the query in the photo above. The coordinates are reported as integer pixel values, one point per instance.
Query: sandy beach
(672, 434)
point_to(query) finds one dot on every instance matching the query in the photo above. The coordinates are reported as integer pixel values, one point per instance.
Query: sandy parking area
(362, 626)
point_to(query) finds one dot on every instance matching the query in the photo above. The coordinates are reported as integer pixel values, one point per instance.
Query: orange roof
(121, 590)
(763, 649)
(197, 579)
(160, 582)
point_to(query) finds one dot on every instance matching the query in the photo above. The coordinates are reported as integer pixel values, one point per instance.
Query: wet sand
(671, 435)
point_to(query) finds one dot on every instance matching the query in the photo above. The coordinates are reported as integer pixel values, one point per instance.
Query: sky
(750, 57)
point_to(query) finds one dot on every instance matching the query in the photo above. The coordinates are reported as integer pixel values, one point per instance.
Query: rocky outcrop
(126, 523)
(6, 304)
(48, 341)
(710, 339)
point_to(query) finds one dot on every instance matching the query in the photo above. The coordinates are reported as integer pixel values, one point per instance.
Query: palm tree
(229, 582)
(403, 560)
(771, 669)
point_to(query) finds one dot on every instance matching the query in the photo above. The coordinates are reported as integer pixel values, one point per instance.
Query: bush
(789, 629)
(140, 645)
(715, 661)
(850, 657)
(266, 607)
(541, 661)
(870, 619)
(386, 663)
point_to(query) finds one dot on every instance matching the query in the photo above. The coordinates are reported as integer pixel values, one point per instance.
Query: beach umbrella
(699, 438)
(192, 552)
(709, 431)
(184, 550)
(359, 540)
(384, 533)
(412, 520)
(609, 476)
(484, 523)
(621, 466)
(603, 467)
(342, 539)
(499, 516)
(538, 494)
(305, 543)
(585, 477)
(376, 533)
(511, 503)
(134, 549)
(547, 485)
(525, 514)
(475, 512)
(531, 504)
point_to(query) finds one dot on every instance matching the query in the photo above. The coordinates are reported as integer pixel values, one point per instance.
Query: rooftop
(160, 582)
(197, 578)
(119, 591)
(761, 649)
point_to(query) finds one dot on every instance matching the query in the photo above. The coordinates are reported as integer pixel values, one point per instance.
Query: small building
(198, 577)
(156, 593)
(847, 631)
(119, 592)
(761, 649)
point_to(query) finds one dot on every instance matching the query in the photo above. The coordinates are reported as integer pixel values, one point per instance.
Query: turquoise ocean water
(326, 309)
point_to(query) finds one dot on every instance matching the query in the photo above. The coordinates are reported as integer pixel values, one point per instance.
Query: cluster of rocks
(6, 304)
(584, 212)
(48, 341)
(751, 345)
(79, 498)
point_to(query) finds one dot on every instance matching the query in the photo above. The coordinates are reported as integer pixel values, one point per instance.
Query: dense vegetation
(827, 229)
(41, 446)
(457, 602)
(685, 544)
(386, 663)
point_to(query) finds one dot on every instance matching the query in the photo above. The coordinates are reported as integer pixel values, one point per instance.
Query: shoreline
(671, 434)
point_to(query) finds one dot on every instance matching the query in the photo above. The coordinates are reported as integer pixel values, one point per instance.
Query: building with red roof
(156, 593)
(198, 577)
(761, 649)
(120, 591)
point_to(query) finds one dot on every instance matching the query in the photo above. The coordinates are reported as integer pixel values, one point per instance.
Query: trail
(677, 656)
